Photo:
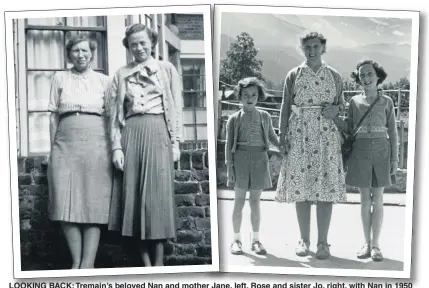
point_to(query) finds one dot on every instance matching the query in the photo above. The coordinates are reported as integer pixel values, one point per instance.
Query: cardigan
(171, 85)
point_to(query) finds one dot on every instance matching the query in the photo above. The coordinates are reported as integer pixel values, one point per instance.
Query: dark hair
(312, 35)
(138, 27)
(379, 70)
(250, 82)
(76, 39)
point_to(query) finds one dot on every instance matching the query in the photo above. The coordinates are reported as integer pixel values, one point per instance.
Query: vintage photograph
(113, 154)
(315, 139)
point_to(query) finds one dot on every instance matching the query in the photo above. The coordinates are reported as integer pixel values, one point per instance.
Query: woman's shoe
(303, 248)
(376, 254)
(236, 247)
(365, 252)
(323, 251)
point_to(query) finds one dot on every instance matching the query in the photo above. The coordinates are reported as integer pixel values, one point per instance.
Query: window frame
(23, 108)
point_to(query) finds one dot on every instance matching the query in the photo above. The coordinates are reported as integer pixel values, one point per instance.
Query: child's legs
(303, 213)
(324, 213)
(255, 209)
(377, 214)
(237, 214)
(365, 211)
(74, 240)
(91, 238)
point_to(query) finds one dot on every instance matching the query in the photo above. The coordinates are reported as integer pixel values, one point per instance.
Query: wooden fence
(227, 107)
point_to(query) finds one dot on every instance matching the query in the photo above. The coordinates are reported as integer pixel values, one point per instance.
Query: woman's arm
(285, 108)
(176, 89)
(392, 130)
(54, 119)
(112, 112)
(54, 101)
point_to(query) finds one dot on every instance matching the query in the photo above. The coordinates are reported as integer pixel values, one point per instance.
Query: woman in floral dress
(312, 169)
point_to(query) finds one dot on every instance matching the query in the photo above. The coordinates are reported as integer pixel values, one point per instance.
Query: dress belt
(75, 113)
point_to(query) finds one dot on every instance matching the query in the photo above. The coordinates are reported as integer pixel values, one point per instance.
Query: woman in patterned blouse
(80, 168)
(145, 125)
(312, 169)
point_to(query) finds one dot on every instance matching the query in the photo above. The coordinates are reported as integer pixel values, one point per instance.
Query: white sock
(255, 236)
(237, 236)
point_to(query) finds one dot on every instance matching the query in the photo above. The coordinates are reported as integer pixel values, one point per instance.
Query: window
(194, 100)
(45, 54)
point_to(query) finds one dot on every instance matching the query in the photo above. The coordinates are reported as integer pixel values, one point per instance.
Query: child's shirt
(250, 132)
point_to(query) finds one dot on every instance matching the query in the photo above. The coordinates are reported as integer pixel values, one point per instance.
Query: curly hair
(138, 27)
(313, 35)
(379, 71)
(251, 82)
(76, 39)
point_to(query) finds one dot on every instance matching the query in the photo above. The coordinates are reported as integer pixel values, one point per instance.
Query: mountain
(350, 39)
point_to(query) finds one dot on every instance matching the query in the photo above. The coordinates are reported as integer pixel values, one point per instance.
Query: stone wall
(275, 163)
(43, 246)
(191, 26)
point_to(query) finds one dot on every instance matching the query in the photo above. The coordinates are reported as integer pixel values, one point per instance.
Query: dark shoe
(323, 251)
(236, 247)
(302, 249)
(258, 248)
(376, 254)
(365, 252)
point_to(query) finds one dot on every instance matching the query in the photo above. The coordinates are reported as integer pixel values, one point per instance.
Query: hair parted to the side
(313, 35)
(379, 70)
(138, 27)
(76, 39)
(249, 82)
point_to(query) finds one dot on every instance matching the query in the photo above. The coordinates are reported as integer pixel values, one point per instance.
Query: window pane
(55, 21)
(45, 49)
(189, 83)
(188, 117)
(199, 67)
(86, 21)
(200, 83)
(188, 99)
(201, 132)
(201, 115)
(38, 129)
(189, 133)
(132, 19)
(201, 100)
(39, 86)
(97, 62)
(187, 67)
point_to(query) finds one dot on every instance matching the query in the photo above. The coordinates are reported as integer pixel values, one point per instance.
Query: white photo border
(205, 9)
(412, 15)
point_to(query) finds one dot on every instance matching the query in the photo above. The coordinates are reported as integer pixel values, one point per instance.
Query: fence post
(401, 144)
(398, 114)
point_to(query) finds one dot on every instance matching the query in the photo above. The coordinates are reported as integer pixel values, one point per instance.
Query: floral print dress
(312, 170)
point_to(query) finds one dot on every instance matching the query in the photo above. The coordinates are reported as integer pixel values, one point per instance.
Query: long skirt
(80, 171)
(251, 167)
(143, 198)
(369, 164)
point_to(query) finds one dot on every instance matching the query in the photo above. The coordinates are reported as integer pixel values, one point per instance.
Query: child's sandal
(365, 252)
(376, 254)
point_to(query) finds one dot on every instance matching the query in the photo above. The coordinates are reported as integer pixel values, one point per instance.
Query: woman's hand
(393, 167)
(118, 159)
(330, 111)
(284, 145)
(176, 152)
(230, 174)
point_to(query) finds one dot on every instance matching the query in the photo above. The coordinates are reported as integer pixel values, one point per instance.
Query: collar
(150, 66)
(304, 64)
(78, 74)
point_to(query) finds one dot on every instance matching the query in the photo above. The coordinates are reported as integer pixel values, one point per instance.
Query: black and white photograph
(112, 154)
(315, 128)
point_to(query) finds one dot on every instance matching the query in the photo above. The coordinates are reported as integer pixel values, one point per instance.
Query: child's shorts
(252, 169)
(369, 164)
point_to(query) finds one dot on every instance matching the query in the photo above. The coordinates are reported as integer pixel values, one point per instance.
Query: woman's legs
(74, 240)
(303, 213)
(158, 248)
(377, 215)
(255, 212)
(144, 246)
(91, 239)
(324, 213)
(366, 215)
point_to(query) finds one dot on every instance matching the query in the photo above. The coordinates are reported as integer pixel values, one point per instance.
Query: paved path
(280, 234)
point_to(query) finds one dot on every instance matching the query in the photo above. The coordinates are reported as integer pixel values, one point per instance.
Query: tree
(241, 61)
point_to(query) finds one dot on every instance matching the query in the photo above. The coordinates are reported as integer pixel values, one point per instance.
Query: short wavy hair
(379, 70)
(251, 82)
(76, 39)
(313, 35)
(138, 27)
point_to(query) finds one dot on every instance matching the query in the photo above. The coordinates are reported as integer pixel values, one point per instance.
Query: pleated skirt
(251, 167)
(143, 196)
(80, 171)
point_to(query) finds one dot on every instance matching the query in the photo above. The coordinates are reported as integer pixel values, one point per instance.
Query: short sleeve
(54, 98)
